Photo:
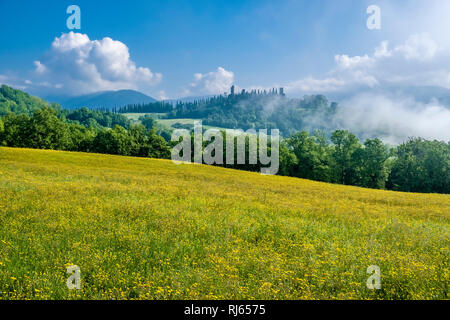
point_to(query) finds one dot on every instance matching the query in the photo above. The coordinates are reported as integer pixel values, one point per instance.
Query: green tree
(146, 143)
(288, 160)
(16, 130)
(81, 138)
(345, 145)
(113, 141)
(19, 102)
(421, 166)
(370, 164)
(312, 153)
(96, 118)
(148, 122)
(47, 131)
(156, 146)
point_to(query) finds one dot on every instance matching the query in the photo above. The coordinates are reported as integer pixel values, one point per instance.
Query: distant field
(166, 123)
(136, 116)
(149, 229)
(171, 122)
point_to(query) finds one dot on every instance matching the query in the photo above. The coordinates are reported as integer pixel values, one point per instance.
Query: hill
(18, 102)
(149, 229)
(393, 115)
(253, 109)
(104, 99)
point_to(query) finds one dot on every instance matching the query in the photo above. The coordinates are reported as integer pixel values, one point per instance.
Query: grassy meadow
(135, 116)
(149, 229)
(167, 123)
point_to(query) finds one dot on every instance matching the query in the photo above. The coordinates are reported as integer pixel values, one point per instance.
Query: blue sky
(200, 47)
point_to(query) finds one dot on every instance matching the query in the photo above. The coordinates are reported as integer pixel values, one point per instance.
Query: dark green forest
(246, 110)
(153, 107)
(257, 109)
(416, 165)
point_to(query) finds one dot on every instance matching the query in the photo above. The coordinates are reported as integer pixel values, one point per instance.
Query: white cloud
(215, 82)
(79, 65)
(40, 68)
(394, 93)
(382, 50)
(346, 62)
(419, 61)
(418, 47)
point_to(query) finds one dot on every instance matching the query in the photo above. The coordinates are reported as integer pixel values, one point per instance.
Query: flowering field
(148, 229)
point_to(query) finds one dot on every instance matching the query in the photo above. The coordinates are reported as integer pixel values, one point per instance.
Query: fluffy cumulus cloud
(76, 64)
(419, 61)
(215, 82)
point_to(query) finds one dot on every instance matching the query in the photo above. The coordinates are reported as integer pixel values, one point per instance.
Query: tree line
(416, 165)
(247, 110)
(152, 107)
(256, 109)
(45, 130)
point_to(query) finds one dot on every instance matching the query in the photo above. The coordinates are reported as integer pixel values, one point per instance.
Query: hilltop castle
(273, 91)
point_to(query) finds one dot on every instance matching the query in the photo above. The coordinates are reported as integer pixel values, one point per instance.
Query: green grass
(135, 116)
(166, 123)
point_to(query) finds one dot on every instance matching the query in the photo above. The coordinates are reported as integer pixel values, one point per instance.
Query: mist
(393, 118)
